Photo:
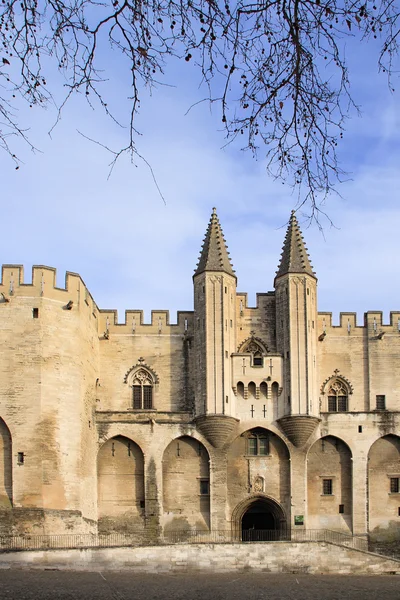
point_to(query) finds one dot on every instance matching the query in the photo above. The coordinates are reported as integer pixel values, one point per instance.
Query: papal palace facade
(236, 417)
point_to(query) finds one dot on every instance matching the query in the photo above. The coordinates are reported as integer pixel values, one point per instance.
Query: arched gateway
(259, 518)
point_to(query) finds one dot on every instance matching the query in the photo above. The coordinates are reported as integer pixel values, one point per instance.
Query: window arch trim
(130, 374)
(337, 389)
(332, 379)
(252, 345)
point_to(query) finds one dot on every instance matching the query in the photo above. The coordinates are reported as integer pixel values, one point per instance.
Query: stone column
(298, 487)
(360, 473)
(153, 497)
(219, 520)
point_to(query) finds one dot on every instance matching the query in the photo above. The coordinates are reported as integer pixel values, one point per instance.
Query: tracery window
(142, 386)
(257, 355)
(338, 399)
(255, 348)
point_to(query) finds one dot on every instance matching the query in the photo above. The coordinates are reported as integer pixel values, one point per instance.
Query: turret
(214, 333)
(296, 319)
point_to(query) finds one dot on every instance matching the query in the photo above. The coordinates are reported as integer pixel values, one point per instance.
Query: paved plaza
(58, 585)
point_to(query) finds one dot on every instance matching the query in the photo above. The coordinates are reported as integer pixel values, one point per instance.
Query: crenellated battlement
(44, 285)
(134, 323)
(373, 323)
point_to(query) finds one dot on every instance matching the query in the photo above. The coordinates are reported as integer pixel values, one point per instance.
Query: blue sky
(135, 252)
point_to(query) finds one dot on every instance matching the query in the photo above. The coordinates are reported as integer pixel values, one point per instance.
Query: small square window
(341, 509)
(35, 313)
(394, 485)
(380, 402)
(327, 487)
(204, 487)
(257, 361)
(21, 458)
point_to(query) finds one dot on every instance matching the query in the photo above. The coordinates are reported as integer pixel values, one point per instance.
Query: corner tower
(296, 320)
(215, 333)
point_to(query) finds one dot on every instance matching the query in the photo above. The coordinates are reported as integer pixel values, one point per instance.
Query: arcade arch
(384, 488)
(186, 484)
(329, 485)
(120, 484)
(258, 463)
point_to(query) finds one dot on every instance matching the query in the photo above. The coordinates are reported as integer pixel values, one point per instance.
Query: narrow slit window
(35, 313)
(394, 485)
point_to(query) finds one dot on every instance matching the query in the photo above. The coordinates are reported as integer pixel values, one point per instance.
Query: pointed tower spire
(214, 253)
(294, 257)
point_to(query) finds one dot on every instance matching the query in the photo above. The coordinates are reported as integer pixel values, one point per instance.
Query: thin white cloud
(134, 252)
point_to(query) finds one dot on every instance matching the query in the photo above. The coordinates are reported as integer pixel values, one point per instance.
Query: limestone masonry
(234, 419)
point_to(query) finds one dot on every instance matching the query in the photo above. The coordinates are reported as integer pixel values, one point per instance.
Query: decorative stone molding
(253, 344)
(258, 484)
(337, 377)
(141, 365)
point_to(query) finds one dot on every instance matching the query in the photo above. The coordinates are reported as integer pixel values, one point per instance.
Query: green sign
(299, 519)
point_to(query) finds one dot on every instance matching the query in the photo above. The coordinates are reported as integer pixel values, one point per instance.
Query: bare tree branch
(277, 68)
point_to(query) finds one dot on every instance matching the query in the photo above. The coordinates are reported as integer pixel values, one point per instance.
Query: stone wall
(280, 557)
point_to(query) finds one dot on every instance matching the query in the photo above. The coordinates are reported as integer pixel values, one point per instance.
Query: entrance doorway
(263, 521)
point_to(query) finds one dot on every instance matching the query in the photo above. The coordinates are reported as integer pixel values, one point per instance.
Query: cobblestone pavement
(58, 585)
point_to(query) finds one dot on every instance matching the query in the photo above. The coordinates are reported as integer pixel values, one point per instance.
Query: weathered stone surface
(298, 428)
(143, 427)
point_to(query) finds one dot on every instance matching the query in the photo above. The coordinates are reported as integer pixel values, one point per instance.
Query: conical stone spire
(214, 253)
(294, 257)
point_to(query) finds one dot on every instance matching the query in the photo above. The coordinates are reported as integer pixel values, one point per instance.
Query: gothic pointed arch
(186, 484)
(256, 347)
(329, 485)
(258, 463)
(253, 344)
(142, 379)
(336, 390)
(384, 488)
(120, 485)
(258, 514)
(141, 365)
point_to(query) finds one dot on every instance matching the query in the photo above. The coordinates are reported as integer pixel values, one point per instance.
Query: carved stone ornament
(253, 344)
(337, 380)
(141, 372)
(142, 377)
(258, 485)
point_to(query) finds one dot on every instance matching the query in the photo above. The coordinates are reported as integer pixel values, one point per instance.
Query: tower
(214, 333)
(296, 324)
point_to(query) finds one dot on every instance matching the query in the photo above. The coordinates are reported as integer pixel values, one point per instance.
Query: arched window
(256, 348)
(338, 399)
(142, 386)
(264, 389)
